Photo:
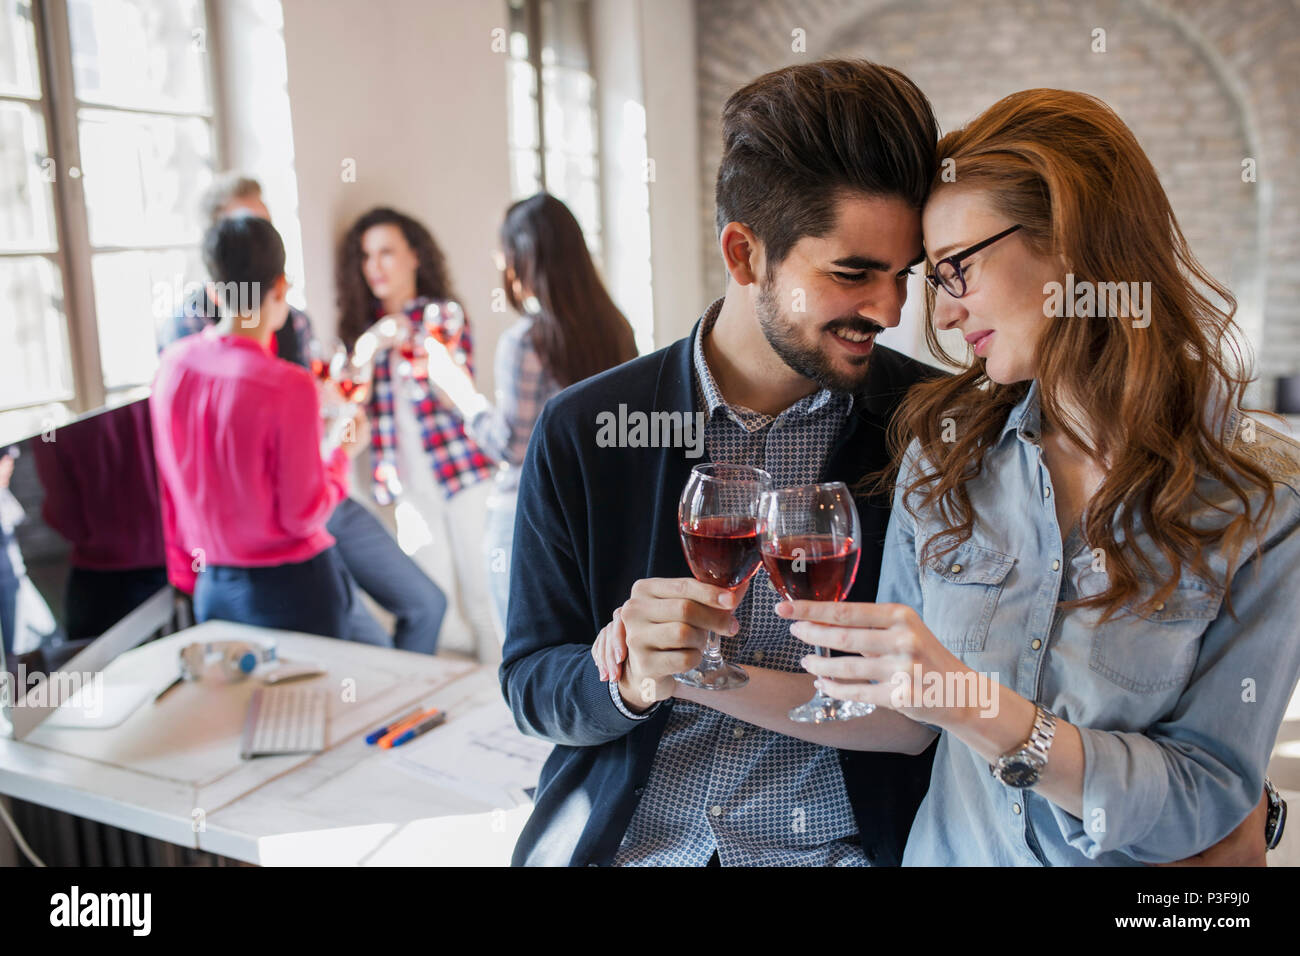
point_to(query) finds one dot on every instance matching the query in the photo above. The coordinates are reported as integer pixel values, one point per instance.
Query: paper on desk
(481, 755)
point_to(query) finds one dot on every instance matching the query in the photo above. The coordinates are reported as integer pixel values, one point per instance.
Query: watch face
(1019, 773)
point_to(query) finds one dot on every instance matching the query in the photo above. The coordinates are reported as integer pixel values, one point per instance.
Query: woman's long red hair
(1156, 400)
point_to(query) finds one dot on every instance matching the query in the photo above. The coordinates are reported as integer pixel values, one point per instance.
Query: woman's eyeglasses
(948, 273)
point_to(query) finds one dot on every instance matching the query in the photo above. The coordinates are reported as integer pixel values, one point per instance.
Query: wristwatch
(1021, 768)
(1276, 821)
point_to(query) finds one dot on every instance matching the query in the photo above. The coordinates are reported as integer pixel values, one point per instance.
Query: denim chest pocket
(1155, 650)
(961, 591)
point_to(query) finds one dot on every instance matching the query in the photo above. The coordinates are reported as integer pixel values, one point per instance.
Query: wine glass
(328, 363)
(810, 542)
(717, 518)
(326, 360)
(445, 322)
(354, 381)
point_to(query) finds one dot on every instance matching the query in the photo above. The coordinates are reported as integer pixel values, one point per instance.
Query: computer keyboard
(284, 720)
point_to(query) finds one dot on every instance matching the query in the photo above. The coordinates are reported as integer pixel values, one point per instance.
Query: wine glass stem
(821, 694)
(712, 652)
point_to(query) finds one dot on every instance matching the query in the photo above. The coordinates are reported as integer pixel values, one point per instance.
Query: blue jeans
(498, 546)
(312, 596)
(383, 570)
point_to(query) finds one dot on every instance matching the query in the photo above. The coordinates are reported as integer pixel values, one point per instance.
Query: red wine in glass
(354, 390)
(809, 538)
(722, 551)
(717, 520)
(812, 567)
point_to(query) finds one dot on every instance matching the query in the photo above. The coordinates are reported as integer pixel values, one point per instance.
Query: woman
(237, 436)
(390, 265)
(1088, 581)
(569, 329)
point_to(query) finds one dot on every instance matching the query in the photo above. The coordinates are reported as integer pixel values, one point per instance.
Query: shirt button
(1015, 808)
(758, 656)
(956, 569)
(1035, 643)
(716, 810)
(1056, 565)
(1047, 492)
(1160, 606)
(738, 732)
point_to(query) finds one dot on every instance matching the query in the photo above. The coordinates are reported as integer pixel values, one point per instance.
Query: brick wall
(1203, 85)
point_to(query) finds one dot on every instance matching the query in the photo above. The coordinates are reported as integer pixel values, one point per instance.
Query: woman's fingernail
(779, 609)
(725, 598)
(734, 626)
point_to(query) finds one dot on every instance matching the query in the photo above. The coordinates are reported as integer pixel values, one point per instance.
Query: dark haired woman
(237, 436)
(1089, 588)
(569, 329)
(421, 457)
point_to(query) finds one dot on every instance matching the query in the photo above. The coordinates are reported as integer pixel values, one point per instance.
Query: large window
(107, 121)
(552, 108)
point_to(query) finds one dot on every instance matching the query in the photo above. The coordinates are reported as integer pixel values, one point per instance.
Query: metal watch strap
(1035, 748)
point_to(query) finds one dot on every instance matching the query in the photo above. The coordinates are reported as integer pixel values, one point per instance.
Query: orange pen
(386, 741)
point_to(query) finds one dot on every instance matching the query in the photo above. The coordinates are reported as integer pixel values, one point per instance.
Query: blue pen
(373, 739)
(414, 732)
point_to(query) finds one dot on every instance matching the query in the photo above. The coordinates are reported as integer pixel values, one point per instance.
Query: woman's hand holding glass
(451, 379)
(893, 658)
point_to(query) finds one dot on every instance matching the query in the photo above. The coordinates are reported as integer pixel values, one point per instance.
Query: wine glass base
(722, 676)
(822, 709)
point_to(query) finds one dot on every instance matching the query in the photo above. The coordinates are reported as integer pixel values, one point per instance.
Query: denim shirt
(1178, 708)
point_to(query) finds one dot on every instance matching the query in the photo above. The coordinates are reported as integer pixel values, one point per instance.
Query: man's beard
(808, 360)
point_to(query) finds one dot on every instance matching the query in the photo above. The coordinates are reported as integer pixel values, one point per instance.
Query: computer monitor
(82, 567)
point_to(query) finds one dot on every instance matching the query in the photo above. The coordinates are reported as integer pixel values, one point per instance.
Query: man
(373, 559)
(824, 170)
(232, 194)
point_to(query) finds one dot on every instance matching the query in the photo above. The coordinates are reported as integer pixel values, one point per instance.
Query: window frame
(534, 31)
(74, 254)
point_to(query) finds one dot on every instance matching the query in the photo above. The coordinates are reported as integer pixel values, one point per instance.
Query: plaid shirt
(293, 342)
(523, 387)
(457, 460)
(719, 783)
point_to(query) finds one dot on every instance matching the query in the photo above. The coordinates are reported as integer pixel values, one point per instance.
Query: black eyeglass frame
(955, 259)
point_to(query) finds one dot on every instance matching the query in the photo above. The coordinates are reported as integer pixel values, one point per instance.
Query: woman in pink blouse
(237, 434)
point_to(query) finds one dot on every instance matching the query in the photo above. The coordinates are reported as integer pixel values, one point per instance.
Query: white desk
(172, 770)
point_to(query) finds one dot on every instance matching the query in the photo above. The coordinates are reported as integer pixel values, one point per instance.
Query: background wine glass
(717, 518)
(327, 364)
(354, 382)
(810, 542)
(445, 322)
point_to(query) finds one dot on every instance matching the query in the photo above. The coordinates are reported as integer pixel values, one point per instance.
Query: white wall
(256, 130)
(413, 93)
(643, 54)
(624, 191)
(672, 140)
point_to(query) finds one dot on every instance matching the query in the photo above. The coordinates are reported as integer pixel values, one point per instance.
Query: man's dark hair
(796, 139)
(238, 251)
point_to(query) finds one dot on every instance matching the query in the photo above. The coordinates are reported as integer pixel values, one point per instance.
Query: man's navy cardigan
(590, 522)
